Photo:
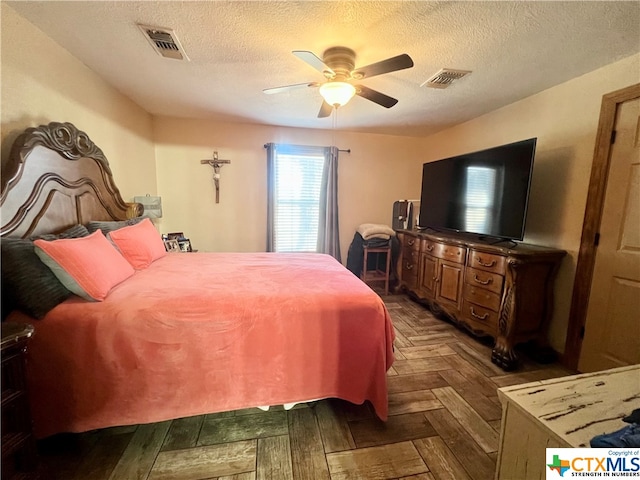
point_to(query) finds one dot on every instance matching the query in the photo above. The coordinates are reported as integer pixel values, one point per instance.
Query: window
(298, 178)
(302, 199)
(480, 198)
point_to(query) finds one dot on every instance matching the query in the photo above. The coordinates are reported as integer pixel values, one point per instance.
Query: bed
(189, 333)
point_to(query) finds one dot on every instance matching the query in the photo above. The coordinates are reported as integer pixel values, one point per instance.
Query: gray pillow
(27, 283)
(110, 226)
(76, 231)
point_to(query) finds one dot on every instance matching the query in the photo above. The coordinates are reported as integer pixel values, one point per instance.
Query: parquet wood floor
(444, 423)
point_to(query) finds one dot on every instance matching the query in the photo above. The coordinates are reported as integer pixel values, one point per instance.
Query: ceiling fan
(338, 66)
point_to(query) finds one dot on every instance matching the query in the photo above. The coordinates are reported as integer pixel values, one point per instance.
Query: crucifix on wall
(216, 163)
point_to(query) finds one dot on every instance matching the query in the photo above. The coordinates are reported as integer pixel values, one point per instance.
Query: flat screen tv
(483, 193)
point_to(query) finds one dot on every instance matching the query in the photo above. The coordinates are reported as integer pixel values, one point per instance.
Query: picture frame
(172, 245)
(175, 235)
(185, 245)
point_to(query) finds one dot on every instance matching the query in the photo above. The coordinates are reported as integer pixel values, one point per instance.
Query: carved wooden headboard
(57, 177)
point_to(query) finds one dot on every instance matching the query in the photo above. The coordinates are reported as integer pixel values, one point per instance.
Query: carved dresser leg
(503, 353)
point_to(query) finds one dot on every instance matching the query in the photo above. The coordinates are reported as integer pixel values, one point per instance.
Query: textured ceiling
(237, 49)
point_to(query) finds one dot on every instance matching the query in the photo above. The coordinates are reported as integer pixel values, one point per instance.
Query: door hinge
(613, 136)
(596, 240)
(582, 333)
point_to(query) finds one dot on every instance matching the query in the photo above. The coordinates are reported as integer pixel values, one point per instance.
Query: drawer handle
(411, 242)
(429, 248)
(490, 264)
(409, 266)
(486, 282)
(479, 317)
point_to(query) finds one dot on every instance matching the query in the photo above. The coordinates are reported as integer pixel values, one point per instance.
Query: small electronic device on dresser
(19, 457)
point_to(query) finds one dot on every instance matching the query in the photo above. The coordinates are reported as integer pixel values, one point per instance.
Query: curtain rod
(348, 150)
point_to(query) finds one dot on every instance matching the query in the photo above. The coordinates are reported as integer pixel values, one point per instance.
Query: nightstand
(19, 458)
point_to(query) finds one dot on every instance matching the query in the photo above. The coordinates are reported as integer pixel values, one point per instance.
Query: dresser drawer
(480, 278)
(444, 251)
(480, 318)
(427, 246)
(19, 455)
(410, 261)
(409, 269)
(410, 253)
(482, 297)
(410, 242)
(486, 261)
(410, 277)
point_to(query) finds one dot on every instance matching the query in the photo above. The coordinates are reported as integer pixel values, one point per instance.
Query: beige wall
(565, 120)
(42, 83)
(375, 174)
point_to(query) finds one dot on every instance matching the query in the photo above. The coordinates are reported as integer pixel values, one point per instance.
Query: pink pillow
(89, 266)
(140, 244)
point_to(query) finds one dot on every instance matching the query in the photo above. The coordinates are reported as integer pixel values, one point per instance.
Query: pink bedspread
(209, 332)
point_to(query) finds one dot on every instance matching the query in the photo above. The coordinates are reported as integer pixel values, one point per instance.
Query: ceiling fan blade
(284, 88)
(313, 60)
(375, 96)
(325, 110)
(392, 64)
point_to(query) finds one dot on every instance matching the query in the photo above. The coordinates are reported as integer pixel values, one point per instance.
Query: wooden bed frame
(56, 177)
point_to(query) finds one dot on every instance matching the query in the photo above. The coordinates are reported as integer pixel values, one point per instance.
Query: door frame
(592, 220)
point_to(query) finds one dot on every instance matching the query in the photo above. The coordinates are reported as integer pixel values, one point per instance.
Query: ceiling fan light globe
(337, 93)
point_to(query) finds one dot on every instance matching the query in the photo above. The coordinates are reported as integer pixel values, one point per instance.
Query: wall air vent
(445, 77)
(164, 41)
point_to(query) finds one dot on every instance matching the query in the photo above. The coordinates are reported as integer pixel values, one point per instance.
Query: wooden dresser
(500, 290)
(18, 444)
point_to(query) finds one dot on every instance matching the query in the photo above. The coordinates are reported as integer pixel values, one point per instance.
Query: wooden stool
(377, 274)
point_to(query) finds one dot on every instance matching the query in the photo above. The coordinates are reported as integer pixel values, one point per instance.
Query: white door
(612, 328)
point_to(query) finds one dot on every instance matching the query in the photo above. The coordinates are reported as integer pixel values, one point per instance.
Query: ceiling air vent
(164, 42)
(445, 77)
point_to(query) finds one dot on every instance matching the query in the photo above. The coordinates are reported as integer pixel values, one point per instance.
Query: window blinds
(298, 179)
